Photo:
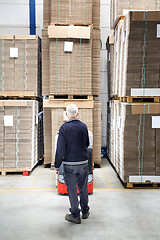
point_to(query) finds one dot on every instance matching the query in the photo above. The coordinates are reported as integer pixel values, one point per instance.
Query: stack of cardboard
(96, 61)
(71, 72)
(96, 13)
(71, 60)
(70, 46)
(54, 112)
(71, 68)
(134, 147)
(133, 128)
(19, 139)
(119, 8)
(69, 12)
(141, 57)
(21, 128)
(21, 55)
(136, 55)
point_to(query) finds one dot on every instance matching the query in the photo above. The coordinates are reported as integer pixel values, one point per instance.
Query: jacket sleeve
(61, 149)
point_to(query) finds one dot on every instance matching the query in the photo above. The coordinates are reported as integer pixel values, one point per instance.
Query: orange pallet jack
(62, 188)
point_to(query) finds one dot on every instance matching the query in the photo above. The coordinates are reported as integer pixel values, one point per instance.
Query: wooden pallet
(76, 24)
(70, 97)
(140, 99)
(6, 171)
(18, 95)
(23, 171)
(144, 185)
(20, 98)
(115, 98)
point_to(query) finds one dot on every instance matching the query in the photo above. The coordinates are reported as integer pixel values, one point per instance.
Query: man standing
(72, 145)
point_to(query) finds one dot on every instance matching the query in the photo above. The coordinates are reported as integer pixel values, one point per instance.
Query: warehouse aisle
(31, 209)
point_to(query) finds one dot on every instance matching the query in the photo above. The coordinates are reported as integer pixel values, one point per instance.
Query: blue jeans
(73, 176)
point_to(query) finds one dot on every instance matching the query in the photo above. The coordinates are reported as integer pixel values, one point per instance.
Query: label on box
(65, 118)
(158, 30)
(8, 121)
(13, 52)
(155, 121)
(68, 46)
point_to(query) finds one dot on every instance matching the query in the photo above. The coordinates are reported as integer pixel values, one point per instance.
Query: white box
(68, 46)
(155, 121)
(13, 52)
(146, 92)
(8, 121)
(138, 179)
(65, 118)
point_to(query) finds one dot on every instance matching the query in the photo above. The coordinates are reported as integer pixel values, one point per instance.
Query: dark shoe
(85, 216)
(70, 218)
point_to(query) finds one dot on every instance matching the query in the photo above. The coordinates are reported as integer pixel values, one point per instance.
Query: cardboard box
(69, 32)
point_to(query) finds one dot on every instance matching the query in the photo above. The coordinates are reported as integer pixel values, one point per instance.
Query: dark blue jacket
(72, 143)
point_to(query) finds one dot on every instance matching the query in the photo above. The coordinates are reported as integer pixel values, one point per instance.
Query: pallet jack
(62, 188)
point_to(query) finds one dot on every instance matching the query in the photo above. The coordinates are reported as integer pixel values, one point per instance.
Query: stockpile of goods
(54, 117)
(134, 140)
(119, 8)
(20, 106)
(20, 69)
(71, 67)
(134, 109)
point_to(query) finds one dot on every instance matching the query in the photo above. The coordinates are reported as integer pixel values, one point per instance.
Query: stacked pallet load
(20, 54)
(20, 105)
(134, 141)
(119, 8)
(54, 117)
(134, 108)
(71, 68)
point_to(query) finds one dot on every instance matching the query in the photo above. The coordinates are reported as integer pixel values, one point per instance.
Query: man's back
(73, 142)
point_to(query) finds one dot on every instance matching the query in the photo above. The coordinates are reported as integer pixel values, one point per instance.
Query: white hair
(72, 110)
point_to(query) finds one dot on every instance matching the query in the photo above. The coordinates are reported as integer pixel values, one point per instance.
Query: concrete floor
(31, 209)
